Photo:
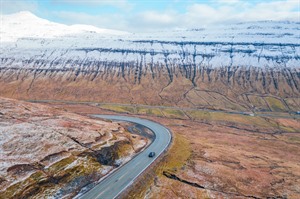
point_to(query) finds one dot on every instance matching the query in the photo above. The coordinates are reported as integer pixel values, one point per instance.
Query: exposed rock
(191, 68)
(49, 152)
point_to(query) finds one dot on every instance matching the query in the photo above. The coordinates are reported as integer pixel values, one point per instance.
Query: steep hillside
(194, 68)
(47, 152)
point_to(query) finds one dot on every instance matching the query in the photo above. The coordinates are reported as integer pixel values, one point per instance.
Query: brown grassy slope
(210, 88)
(49, 152)
(241, 159)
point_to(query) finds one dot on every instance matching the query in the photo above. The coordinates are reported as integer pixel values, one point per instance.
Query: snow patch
(30, 42)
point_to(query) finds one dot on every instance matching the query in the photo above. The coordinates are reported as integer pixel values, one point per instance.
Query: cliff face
(212, 88)
(46, 152)
(183, 68)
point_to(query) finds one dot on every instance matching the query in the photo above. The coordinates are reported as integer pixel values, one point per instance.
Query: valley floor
(218, 155)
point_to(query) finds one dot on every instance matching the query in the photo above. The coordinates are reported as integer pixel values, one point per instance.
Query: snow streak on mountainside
(28, 41)
(210, 68)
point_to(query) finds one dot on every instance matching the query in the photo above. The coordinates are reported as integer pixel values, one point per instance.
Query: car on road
(151, 154)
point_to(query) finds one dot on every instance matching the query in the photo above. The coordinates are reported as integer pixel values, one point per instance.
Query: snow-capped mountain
(25, 24)
(258, 44)
(261, 57)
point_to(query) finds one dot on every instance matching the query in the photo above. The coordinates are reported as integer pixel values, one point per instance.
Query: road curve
(113, 185)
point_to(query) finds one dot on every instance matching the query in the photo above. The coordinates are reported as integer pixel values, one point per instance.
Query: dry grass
(200, 115)
(176, 158)
(222, 150)
(258, 102)
(118, 108)
(174, 114)
(275, 104)
(149, 111)
(226, 117)
(292, 103)
(178, 154)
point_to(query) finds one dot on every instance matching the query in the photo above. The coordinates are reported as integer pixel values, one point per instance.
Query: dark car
(151, 154)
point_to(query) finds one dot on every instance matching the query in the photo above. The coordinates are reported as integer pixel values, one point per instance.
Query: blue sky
(146, 15)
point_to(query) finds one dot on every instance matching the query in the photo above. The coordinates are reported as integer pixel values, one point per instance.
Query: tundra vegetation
(217, 154)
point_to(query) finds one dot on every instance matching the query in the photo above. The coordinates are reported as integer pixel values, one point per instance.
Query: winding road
(113, 185)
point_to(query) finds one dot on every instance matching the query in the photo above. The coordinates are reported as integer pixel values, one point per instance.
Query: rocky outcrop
(49, 152)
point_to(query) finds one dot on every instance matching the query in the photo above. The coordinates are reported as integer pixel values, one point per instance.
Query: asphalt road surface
(113, 185)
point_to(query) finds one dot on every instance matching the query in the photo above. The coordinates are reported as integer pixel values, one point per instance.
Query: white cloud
(156, 17)
(276, 10)
(222, 12)
(153, 20)
(122, 4)
(203, 14)
(228, 1)
(109, 21)
(195, 15)
(8, 7)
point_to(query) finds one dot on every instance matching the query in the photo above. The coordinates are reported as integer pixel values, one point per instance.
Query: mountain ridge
(165, 68)
(25, 24)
